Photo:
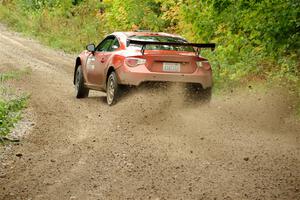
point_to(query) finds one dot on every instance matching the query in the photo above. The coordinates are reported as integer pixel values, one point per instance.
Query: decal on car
(90, 63)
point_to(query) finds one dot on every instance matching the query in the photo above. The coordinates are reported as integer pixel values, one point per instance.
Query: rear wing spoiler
(144, 43)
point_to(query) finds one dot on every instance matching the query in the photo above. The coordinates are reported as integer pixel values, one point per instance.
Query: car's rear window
(154, 38)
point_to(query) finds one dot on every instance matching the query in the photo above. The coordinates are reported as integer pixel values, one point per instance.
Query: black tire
(112, 89)
(80, 90)
(196, 93)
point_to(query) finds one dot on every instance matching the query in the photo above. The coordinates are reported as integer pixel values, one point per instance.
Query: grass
(10, 113)
(11, 104)
(16, 74)
(54, 29)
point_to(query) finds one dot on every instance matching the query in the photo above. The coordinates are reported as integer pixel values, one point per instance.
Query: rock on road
(244, 145)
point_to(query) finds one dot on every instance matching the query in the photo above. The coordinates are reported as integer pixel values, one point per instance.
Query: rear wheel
(112, 89)
(196, 93)
(80, 90)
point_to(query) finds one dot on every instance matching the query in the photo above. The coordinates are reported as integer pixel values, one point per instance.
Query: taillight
(203, 64)
(133, 62)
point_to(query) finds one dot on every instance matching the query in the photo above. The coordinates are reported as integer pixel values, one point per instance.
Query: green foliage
(10, 105)
(38, 4)
(131, 14)
(248, 33)
(13, 74)
(10, 113)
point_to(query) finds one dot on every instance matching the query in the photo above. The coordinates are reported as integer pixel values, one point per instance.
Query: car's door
(96, 62)
(104, 58)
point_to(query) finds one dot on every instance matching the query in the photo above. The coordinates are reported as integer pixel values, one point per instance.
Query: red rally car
(131, 58)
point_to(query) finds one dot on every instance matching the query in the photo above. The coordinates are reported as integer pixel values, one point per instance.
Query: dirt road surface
(244, 145)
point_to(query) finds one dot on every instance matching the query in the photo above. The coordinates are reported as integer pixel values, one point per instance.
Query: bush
(10, 113)
(11, 104)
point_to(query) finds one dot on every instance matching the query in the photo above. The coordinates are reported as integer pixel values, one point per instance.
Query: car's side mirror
(91, 48)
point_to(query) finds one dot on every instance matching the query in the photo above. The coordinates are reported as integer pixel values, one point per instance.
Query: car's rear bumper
(137, 75)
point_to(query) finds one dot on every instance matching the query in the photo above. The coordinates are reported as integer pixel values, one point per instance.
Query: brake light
(203, 64)
(133, 62)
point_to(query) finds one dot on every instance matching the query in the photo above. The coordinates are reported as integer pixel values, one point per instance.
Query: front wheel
(112, 89)
(80, 90)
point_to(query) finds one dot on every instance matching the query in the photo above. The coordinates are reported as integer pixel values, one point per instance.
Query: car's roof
(146, 33)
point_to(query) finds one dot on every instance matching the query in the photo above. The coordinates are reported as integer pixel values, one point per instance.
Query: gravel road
(150, 145)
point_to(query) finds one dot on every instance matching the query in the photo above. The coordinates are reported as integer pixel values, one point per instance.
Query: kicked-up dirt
(150, 145)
